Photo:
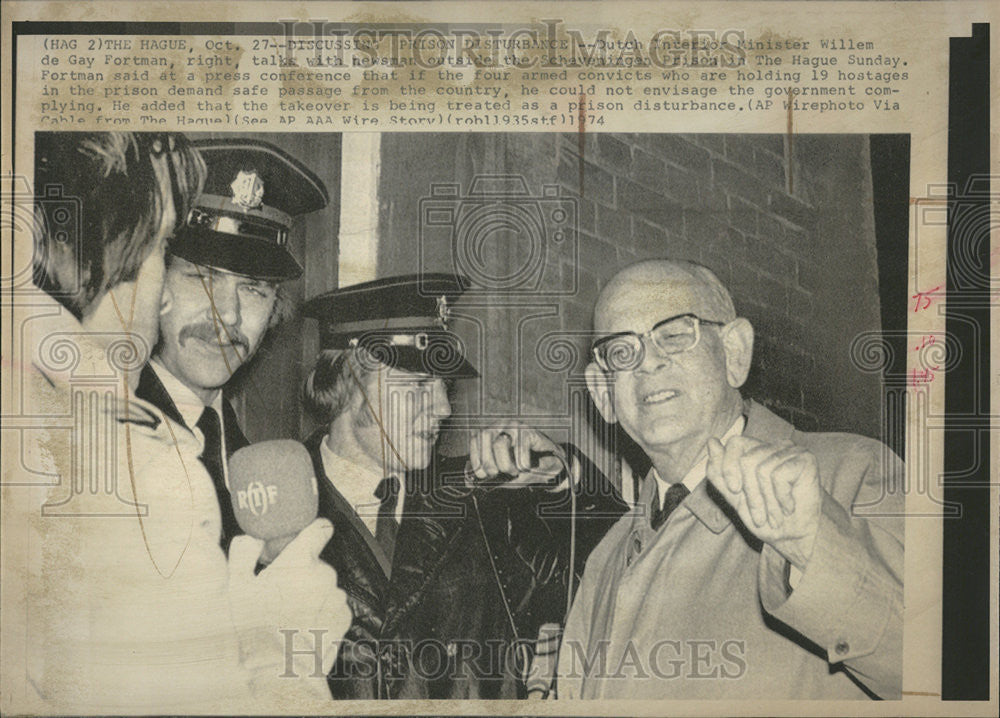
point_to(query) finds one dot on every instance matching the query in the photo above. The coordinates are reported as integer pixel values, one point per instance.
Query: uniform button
(842, 648)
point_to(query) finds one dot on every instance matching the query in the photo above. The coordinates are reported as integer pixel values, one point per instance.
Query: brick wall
(794, 242)
(787, 226)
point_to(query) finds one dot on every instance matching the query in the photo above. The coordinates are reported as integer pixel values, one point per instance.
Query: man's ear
(737, 340)
(360, 399)
(601, 388)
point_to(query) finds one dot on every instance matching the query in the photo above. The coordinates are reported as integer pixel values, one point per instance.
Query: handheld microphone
(273, 488)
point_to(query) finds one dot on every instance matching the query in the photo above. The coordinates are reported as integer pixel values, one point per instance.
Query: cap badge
(444, 312)
(248, 190)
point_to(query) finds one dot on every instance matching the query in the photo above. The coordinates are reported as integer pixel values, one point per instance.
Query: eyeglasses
(625, 351)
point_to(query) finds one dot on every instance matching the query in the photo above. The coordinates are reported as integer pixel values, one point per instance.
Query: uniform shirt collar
(187, 402)
(356, 484)
(191, 407)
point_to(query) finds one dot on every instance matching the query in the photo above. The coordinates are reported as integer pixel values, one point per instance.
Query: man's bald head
(681, 285)
(672, 403)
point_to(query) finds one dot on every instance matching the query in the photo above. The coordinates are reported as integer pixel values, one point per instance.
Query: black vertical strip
(890, 160)
(12, 104)
(965, 667)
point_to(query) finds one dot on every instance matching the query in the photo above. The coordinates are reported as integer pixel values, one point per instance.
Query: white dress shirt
(357, 484)
(191, 407)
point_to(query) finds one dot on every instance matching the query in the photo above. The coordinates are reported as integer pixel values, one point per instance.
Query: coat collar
(332, 502)
(151, 389)
(705, 502)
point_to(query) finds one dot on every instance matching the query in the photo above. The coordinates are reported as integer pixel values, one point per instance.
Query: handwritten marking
(927, 340)
(926, 297)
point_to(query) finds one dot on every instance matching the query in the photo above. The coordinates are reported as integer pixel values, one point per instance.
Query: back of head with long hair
(99, 206)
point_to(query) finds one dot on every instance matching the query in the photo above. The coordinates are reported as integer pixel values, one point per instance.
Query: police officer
(448, 582)
(225, 268)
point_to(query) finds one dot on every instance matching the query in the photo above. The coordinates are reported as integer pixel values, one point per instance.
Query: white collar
(186, 401)
(356, 484)
(697, 473)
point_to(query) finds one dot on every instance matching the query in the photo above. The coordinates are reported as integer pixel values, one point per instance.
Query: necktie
(387, 494)
(211, 457)
(673, 498)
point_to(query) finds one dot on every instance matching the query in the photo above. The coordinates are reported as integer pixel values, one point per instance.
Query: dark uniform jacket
(473, 576)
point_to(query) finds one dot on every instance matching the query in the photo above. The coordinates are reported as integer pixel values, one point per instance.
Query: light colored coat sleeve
(130, 608)
(574, 649)
(849, 600)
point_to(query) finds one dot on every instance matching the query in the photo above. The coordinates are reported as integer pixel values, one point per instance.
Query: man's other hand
(297, 591)
(506, 450)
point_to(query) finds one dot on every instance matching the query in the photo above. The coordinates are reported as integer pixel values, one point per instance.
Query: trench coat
(702, 609)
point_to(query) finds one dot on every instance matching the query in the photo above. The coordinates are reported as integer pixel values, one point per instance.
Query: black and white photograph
(581, 412)
(456, 409)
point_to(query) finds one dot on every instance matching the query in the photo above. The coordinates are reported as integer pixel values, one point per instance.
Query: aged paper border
(928, 26)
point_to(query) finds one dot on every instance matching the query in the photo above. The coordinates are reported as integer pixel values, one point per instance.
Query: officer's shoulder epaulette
(136, 414)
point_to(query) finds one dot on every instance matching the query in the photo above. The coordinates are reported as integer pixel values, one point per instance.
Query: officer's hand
(775, 490)
(506, 449)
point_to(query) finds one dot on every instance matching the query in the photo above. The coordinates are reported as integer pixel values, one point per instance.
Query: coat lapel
(332, 504)
(235, 438)
(152, 390)
(429, 530)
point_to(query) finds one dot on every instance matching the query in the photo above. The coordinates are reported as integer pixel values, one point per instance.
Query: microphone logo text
(257, 497)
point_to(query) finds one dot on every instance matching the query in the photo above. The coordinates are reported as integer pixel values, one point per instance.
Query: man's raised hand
(775, 490)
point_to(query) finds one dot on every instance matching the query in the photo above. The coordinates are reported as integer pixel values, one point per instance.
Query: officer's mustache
(216, 334)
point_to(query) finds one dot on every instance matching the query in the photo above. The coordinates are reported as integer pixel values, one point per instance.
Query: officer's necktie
(673, 498)
(387, 494)
(211, 457)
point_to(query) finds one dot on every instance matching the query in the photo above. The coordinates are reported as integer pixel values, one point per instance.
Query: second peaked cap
(402, 321)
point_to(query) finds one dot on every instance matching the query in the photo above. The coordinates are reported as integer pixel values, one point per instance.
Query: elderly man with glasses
(759, 561)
